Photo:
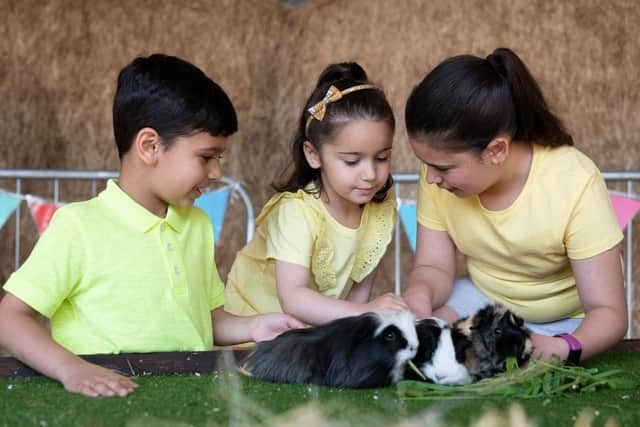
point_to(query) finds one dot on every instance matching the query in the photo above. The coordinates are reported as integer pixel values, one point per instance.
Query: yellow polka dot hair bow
(318, 110)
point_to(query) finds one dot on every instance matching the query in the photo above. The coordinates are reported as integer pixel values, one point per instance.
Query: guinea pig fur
(441, 353)
(496, 334)
(364, 351)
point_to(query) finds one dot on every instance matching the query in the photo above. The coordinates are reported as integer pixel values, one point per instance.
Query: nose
(368, 171)
(214, 170)
(433, 177)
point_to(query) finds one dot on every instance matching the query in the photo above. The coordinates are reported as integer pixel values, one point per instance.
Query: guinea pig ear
(516, 320)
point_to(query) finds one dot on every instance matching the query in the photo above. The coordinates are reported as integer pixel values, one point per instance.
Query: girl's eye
(351, 162)
(382, 159)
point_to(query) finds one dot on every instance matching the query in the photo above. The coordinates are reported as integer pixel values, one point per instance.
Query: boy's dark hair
(466, 101)
(366, 104)
(171, 96)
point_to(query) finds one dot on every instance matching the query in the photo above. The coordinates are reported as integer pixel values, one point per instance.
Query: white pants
(466, 299)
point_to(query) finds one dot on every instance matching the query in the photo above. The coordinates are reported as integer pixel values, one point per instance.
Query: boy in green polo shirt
(132, 270)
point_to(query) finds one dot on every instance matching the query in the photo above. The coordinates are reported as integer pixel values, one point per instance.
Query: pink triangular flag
(625, 208)
(41, 212)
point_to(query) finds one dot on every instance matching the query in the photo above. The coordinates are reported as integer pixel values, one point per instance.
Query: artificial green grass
(223, 399)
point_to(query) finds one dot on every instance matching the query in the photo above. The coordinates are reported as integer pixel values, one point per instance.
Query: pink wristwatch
(575, 348)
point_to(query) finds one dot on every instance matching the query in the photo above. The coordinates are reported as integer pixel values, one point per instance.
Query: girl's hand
(88, 379)
(545, 347)
(387, 303)
(265, 327)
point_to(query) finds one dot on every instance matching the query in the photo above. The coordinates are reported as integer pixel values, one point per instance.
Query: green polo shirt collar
(135, 214)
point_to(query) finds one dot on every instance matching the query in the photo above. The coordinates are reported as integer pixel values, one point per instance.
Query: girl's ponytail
(534, 120)
(466, 101)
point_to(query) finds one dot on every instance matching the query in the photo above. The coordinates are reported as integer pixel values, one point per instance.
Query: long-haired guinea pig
(369, 350)
(496, 334)
(441, 353)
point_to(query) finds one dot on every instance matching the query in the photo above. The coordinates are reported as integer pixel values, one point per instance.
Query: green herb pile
(538, 379)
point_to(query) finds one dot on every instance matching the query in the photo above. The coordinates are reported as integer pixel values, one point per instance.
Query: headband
(318, 110)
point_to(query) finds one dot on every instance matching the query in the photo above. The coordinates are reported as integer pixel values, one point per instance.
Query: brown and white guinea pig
(496, 334)
(364, 351)
(441, 353)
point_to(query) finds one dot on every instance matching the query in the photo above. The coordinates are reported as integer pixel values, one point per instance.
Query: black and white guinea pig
(441, 353)
(496, 334)
(369, 350)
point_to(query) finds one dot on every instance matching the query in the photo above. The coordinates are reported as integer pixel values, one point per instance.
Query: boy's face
(187, 167)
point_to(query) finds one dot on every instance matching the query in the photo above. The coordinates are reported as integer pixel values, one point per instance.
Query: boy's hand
(265, 327)
(93, 380)
(387, 303)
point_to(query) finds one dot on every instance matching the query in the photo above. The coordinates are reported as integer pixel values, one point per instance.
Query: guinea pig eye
(498, 331)
(390, 336)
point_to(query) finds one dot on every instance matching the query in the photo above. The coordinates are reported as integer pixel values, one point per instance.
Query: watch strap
(575, 348)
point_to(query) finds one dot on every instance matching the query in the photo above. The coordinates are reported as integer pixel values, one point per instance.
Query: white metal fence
(18, 176)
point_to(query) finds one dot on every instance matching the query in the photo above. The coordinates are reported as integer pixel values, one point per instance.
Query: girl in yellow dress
(319, 240)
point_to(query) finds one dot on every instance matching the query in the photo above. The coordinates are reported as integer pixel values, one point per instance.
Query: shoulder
(292, 206)
(567, 161)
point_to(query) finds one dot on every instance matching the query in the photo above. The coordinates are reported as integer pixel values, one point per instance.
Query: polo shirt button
(177, 270)
(170, 246)
(163, 227)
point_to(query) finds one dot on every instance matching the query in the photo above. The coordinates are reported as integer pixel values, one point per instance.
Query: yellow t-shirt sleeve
(289, 233)
(592, 227)
(428, 209)
(53, 268)
(216, 293)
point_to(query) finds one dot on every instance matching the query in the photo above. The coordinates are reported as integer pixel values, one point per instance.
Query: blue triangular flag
(8, 204)
(409, 222)
(214, 203)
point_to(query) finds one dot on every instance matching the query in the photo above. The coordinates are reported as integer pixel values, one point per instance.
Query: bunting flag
(8, 204)
(41, 211)
(624, 207)
(407, 213)
(214, 203)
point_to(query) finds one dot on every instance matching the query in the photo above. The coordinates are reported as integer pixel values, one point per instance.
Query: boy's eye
(212, 157)
(382, 159)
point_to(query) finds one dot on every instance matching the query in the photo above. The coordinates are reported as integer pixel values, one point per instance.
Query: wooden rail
(136, 364)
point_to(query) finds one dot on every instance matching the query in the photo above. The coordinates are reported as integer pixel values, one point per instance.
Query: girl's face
(356, 164)
(463, 173)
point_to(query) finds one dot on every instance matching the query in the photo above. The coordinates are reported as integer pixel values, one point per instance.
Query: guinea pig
(441, 353)
(496, 334)
(364, 351)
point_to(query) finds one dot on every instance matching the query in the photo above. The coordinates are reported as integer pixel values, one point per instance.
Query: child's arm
(229, 329)
(361, 292)
(601, 288)
(310, 306)
(434, 268)
(29, 342)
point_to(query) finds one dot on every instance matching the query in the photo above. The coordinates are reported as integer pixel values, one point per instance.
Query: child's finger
(119, 385)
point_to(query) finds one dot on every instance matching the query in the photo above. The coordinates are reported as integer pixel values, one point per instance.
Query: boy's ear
(147, 144)
(312, 155)
(496, 152)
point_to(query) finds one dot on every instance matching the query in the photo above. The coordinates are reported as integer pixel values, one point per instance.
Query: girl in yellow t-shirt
(320, 239)
(503, 184)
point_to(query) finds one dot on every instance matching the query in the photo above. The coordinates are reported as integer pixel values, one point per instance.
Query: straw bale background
(59, 60)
